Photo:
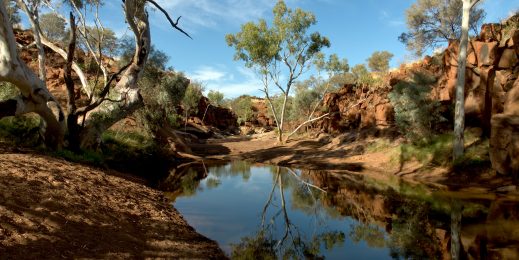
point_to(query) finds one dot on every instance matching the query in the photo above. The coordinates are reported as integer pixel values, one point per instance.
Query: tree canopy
(432, 22)
(283, 50)
(53, 26)
(379, 61)
(215, 97)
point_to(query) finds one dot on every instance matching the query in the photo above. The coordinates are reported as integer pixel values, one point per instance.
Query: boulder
(490, 32)
(486, 53)
(504, 139)
(508, 59)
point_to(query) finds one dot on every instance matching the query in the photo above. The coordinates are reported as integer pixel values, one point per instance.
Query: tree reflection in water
(291, 242)
(412, 221)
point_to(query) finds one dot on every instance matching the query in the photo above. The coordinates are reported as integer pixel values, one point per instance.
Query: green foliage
(162, 100)
(104, 38)
(257, 247)
(53, 26)
(82, 3)
(379, 61)
(412, 237)
(362, 76)
(255, 44)
(370, 233)
(432, 22)
(305, 99)
(438, 150)
(277, 102)
(8, 91)
(215, 97)
(133, 152)
(242, 107)
(335, 66)
(12, 12)
(86, 157)
(20, 130)
(510, 25)
(192, 98)
(415, 113)
(286, 42)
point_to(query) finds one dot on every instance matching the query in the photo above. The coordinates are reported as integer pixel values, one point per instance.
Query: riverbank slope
(51, 208)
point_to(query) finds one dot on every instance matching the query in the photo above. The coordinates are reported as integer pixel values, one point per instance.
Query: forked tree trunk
(459, 116)
(35, 96)
(125, 95)
(282, 118)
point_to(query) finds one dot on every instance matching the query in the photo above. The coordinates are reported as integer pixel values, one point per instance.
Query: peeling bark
(126, 90)
(35, 96)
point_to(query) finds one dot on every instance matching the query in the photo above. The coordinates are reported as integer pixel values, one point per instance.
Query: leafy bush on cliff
(416, 114)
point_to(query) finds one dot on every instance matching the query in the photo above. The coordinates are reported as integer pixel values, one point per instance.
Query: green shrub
(416, 115)
(8, 91)
(20, 130)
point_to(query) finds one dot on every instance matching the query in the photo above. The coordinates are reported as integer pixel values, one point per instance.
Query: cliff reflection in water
(272, 212)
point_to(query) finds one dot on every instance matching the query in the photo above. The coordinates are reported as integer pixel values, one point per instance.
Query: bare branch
(304, 182)
(71, 101)
(473, 3)
(174, 24)
(103, 93)
(305, 123)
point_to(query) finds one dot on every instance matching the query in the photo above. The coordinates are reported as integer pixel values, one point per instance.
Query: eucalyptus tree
(379, 61)
(459, 110)
(283, 50)
(34, 95)
(12, 12)
(433, 22)
(215, 97)
(333, 67)
(53, 26)
(114, 100)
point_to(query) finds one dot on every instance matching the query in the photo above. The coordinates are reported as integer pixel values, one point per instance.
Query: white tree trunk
(282, 117)
(126, 91)
(32, 15)
(459, 116)
(75, 66)
(34, 94)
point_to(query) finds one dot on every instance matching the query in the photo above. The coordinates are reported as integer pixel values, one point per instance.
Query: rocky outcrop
(222, 118)
(504, 139)
(260, 114)
(491, 101)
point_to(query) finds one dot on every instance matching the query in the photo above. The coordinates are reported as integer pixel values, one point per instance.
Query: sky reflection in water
(275, 212)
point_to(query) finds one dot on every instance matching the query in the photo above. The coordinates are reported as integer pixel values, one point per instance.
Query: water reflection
(269, 212)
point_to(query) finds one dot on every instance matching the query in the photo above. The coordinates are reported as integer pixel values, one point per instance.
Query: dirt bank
(50, 208)
(347, 152)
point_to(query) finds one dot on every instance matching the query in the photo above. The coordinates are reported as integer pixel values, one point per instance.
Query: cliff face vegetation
(491, 89)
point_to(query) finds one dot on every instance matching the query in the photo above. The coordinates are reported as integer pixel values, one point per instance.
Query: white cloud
(230, 84)
(211, 13)
(389, 19)
(208, 74)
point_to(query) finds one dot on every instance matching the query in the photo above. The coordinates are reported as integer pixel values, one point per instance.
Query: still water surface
(258, 212)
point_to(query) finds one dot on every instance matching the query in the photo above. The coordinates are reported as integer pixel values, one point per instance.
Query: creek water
(268, 212)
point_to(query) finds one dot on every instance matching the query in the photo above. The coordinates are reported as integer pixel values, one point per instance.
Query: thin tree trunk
(205, 112)
(126, 91)
(32, 14)
(75, 66)
(459, 117)
(282, 119)
(456, 214)
(305, 123)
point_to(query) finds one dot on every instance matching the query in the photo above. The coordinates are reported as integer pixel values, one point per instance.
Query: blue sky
(356, 28)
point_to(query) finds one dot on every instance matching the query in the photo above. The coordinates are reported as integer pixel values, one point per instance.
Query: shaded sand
(50, 208)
